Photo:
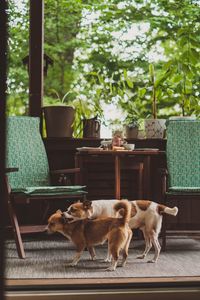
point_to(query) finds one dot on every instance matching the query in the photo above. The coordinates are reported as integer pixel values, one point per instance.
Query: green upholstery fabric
(183, 155)
(183, 190)
(50, 190)
(26, 151)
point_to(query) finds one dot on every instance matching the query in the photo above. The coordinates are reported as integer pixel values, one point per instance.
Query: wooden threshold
(92, 283)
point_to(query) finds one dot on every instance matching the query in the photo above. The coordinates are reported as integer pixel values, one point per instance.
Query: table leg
(147, 180)
(117, 177)
(140, 180)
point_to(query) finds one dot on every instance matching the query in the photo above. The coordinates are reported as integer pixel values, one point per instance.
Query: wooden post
(36, 40)
(3, 88)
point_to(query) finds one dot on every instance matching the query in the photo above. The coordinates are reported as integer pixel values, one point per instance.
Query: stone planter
(154, 128)
(59, 120)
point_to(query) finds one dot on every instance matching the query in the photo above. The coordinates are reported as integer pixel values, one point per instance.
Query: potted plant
(59, 117)
(154, 127)
(131, 124)
(131, 129)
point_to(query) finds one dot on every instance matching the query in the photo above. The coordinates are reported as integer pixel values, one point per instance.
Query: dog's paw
(141, 256)
(111, 268)
(107, 259)
(151, 261)
(122, 264)
(93, 258)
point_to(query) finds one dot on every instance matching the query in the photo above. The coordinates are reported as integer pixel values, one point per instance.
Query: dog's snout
(69, 212)
(46, 229)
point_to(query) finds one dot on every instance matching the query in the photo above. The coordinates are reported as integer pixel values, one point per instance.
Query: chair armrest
(65, 171)
(163, 172)
(9, 170)
(164, 176)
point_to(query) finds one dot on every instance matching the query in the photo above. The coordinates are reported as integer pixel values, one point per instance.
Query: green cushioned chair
(32, 181)
(181, 182)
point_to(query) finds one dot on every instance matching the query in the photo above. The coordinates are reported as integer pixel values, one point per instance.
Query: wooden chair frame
(12, 201)
(166, 197)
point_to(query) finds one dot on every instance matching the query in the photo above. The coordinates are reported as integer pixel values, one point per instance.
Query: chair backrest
(183, 153)
(26, 151)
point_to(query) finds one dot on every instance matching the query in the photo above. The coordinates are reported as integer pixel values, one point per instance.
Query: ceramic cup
(129, 146)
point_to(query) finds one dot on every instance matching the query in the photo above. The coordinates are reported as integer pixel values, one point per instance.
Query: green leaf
(141, 92)
(161, 78)
(194, 55)
(151, 72)
(125, 74)
(183, 41)
(177, 78)
(129, 83)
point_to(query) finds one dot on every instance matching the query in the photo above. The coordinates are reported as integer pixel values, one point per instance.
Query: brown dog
(146, 215)
(88, 233)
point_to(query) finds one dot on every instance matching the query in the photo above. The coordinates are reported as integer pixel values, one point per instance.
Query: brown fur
(133, 210)
(81, 209)
(143, 204)
(160, 209)
(87, 233)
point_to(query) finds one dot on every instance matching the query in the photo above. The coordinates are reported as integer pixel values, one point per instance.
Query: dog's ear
(63, 218)
(59, 211)
(87, 204)
(121, 212)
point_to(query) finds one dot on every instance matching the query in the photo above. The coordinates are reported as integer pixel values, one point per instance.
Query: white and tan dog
(88, 233)
(145, 215)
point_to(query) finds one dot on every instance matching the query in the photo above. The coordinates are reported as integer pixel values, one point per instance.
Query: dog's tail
(167, 210)
(126, 207)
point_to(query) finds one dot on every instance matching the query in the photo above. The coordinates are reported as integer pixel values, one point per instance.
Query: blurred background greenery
(112, 57)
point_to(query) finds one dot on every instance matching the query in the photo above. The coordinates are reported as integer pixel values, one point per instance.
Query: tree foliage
(103, 52)
(168, 37)
(18, 43)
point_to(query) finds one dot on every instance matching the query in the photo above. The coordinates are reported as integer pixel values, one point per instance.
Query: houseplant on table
(132, 123)
(132, 128)
(154, 127)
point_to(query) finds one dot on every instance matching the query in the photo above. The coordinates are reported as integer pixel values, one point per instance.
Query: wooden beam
(36, 39)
